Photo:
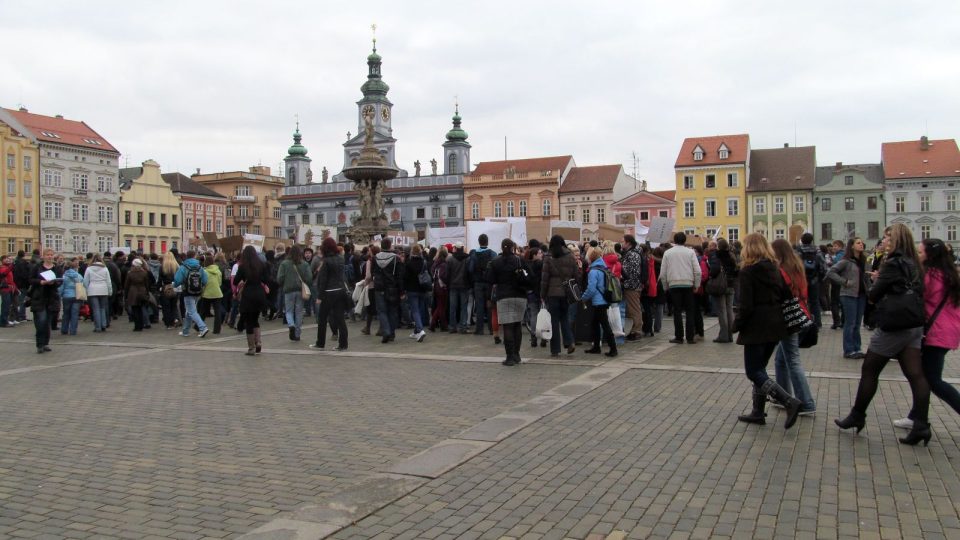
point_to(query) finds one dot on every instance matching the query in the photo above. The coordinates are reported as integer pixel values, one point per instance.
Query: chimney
(198, 170)
(839, 165)
(23, 109)
(924, 143)
(60, 116)
(786, 145)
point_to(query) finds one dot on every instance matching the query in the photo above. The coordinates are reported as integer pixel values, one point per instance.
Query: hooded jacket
(180, 279)
(457, 270)
(760, 317)
(387, 270)
(68, 287)
(213, 289)
(596, 284)
(97, 280)
(556, 272)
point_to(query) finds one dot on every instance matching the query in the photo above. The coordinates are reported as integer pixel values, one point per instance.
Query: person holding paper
(44, 300)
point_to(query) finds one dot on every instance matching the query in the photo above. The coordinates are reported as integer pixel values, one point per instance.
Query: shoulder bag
(794, 316)
(717, 285)
(902, 311)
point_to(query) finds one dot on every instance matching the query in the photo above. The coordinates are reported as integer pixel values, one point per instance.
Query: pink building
(643, 206)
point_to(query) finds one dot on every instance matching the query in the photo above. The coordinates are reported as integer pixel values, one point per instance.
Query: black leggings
(932, 358)
(912, 368)
(250, 320)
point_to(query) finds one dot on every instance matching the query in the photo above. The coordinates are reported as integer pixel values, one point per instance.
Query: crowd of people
(559, 294)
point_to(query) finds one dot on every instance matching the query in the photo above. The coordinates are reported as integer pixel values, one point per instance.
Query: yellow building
(254, 202)
(150, 216)
(20, 200)
(712, 175)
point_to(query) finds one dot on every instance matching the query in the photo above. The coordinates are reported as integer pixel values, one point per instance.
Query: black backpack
(194, 282)
(479, 262)
(810, 266)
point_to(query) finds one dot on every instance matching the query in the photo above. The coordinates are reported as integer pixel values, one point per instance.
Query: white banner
(496, 231)
(518, 230)
(445, 235)
(640, 233)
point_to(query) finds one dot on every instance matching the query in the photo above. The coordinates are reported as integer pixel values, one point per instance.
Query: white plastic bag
(544, 324)
(616, 324)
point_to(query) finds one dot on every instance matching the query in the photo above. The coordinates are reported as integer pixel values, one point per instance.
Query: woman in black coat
(761, 327)
(510, 277)
(253, 296)
(332, 296)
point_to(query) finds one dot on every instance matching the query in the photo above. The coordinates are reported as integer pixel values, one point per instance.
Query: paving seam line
(347, 507)
(128, 354)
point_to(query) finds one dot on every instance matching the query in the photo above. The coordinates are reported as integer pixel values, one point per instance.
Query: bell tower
(297, 165)
(456, 151)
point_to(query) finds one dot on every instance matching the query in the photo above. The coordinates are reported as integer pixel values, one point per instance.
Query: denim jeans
(459, 316)
(852, 319)
(21, 305)
(388, 313)
(71, 316)
(293, 310)
(813, 300)
(98, 310)
(41, 323)
(789, 372)
(191, 317)
(481, 293)
(562, 331)
(724, 310)
(6, 305)
(755, 360)
(415, 301)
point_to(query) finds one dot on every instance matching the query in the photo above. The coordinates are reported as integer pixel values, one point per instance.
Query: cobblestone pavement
(152, 435)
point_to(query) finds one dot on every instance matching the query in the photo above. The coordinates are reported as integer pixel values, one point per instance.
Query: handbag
(81, 292)
(717, 285)
(571, 289)
(809, 337)
(305, 291)
(902, 311)
(794, 316)
(169, 291)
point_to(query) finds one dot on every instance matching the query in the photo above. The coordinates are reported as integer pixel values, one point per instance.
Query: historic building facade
(19, 170)
(200, 205)
(711, 178)
(412, 202)
(149, 211)
(78, 185)
(253, 203)
(641, 207)
(849, 201)
(527, 188)
(922, 180)
(587, 195)
(780, 190)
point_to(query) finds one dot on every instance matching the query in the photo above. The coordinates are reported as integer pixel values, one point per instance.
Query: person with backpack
(511, 277)
(416, 280)
(68, 295)
(815, 269)
(136, 288)
(681, 274)
(477, 268)
(597, 295)
(388, 287)
(192, 278)
(99, 287)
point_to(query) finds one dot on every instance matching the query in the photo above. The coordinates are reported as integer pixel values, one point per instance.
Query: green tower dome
(457, 133)
(297, 149)
(374, 85)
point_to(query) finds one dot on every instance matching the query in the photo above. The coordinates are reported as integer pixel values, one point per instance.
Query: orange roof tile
(595, 178)
(557, 163)
(739, 146)
(666, 194)
(908, 159)
(62, 131)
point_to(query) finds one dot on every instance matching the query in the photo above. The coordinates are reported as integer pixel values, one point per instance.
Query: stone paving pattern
(150, 435)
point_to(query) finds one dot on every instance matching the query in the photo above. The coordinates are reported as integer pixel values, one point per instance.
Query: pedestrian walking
(292, 274)
(635, 277)
(898, 335)
(680, 273)
(211, 300)
(136, 289)
(252, 292)
(332, 299)
(760, 326)
(720, 286)
(8, 293)
(68, 296)
(460, 287)
(388, 287)
(99, 287)
(593, 296)
(560, 274)
(850, 275)
(44, 299)
(192, 278)
(414, 288)
(789, 372)
(509, 276)
(169, 296)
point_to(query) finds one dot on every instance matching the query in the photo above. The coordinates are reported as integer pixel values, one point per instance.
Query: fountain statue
(370, 175)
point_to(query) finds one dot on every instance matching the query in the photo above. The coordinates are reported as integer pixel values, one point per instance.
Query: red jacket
(613, 264)
(6, 279)
(651, 289)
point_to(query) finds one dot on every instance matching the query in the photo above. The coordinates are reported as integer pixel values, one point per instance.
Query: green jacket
(287, 275)
(212, 288)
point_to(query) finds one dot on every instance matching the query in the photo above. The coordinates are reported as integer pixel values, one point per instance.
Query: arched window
(546, 208)
(510, 209)
(498, 209)
(523, 208)
(292, 176)
(452, 163)
(475, 211)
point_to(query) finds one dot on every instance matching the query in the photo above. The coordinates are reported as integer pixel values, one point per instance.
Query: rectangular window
(276, 213)
(799, 204)
(760, 205)
(81, 212)
(924, 232)
(27, 218)
(951, 199)
(664, 213)
(826, 231)
(52, 178)
(710, 181)
(139, 218)
(163, 220)
(710, 208)
(126, 217)
(871, 203)
(152, 219)
(848, 180)
(318, 218)
(104, 184)
(475, 210)
(80, 181)
(586, 215)
(153, 246)
(644, 215)
(173, 222)
(305, 219)
(924, 203)
(733, 207)
(105, 213)
(522, 206)
(951, 233)
(435, 212)
(779, 205)
(688, 181)
(421, 213)
(601, 215)
(209, 225)
(11, 188)
(779, 233)
(241, 191)
(689, 210)
(732, 180)
(229, 230)
(873, 229)
(243, 211)
(219, 226)
(11, 161)
(899, 203)
(52, 210)
(451, 211)
(27, 163)
(733, 234)
(11, 217)
(711, 233)
(256, 229)
(851, 228)
(256, 211)
(28, 189)
(848, 203)
(243, 230)
(54, 241)
(291, 220)
(277, 232)
(571, 214)
(189, 224)
(104, 243)
(230, 210)
(825, 204)
(11, 245)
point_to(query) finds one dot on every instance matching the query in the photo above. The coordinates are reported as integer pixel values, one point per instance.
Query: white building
(588, 193)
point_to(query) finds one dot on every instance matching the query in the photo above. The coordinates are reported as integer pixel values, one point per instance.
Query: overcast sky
(216, 85)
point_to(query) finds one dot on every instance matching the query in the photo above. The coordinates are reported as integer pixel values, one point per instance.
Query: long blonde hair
(901, 239)
(170, 264)
(755, 249)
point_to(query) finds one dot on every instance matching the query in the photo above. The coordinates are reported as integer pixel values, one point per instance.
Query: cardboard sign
(124, 249)
(313, 235)
(538, 229)
(610, 232)
(694, 240)
(255, 240)
(796, 231)
(403, 238)
(445, 235)
(210, 239)
(661, 230)
(641, 233)
(231, 244)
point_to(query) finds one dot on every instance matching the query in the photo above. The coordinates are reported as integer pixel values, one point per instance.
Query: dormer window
(698, 153)
(724, 151)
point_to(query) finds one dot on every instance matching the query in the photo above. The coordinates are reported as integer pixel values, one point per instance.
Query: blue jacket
(596, 284)
(181, 276)
(68, 287)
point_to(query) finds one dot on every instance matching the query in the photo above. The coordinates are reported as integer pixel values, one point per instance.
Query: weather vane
(297, 117)
(456, 103)
(373, 29)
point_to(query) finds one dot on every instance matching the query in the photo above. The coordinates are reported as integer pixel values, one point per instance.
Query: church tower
(456, 151)
(297, 164)
(376, 105)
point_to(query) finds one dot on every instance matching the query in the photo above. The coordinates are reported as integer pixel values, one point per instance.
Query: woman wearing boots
(760, 324)
(789, 372)
(331, 296)
(559, 268)
(509, 277)
(900, 270)
(593, 297)
(253, 296)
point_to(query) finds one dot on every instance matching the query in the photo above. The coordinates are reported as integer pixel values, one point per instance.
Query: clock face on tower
(385, 114)
(367, 111)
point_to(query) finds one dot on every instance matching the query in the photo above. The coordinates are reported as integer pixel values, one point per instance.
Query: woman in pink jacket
(941, 285)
